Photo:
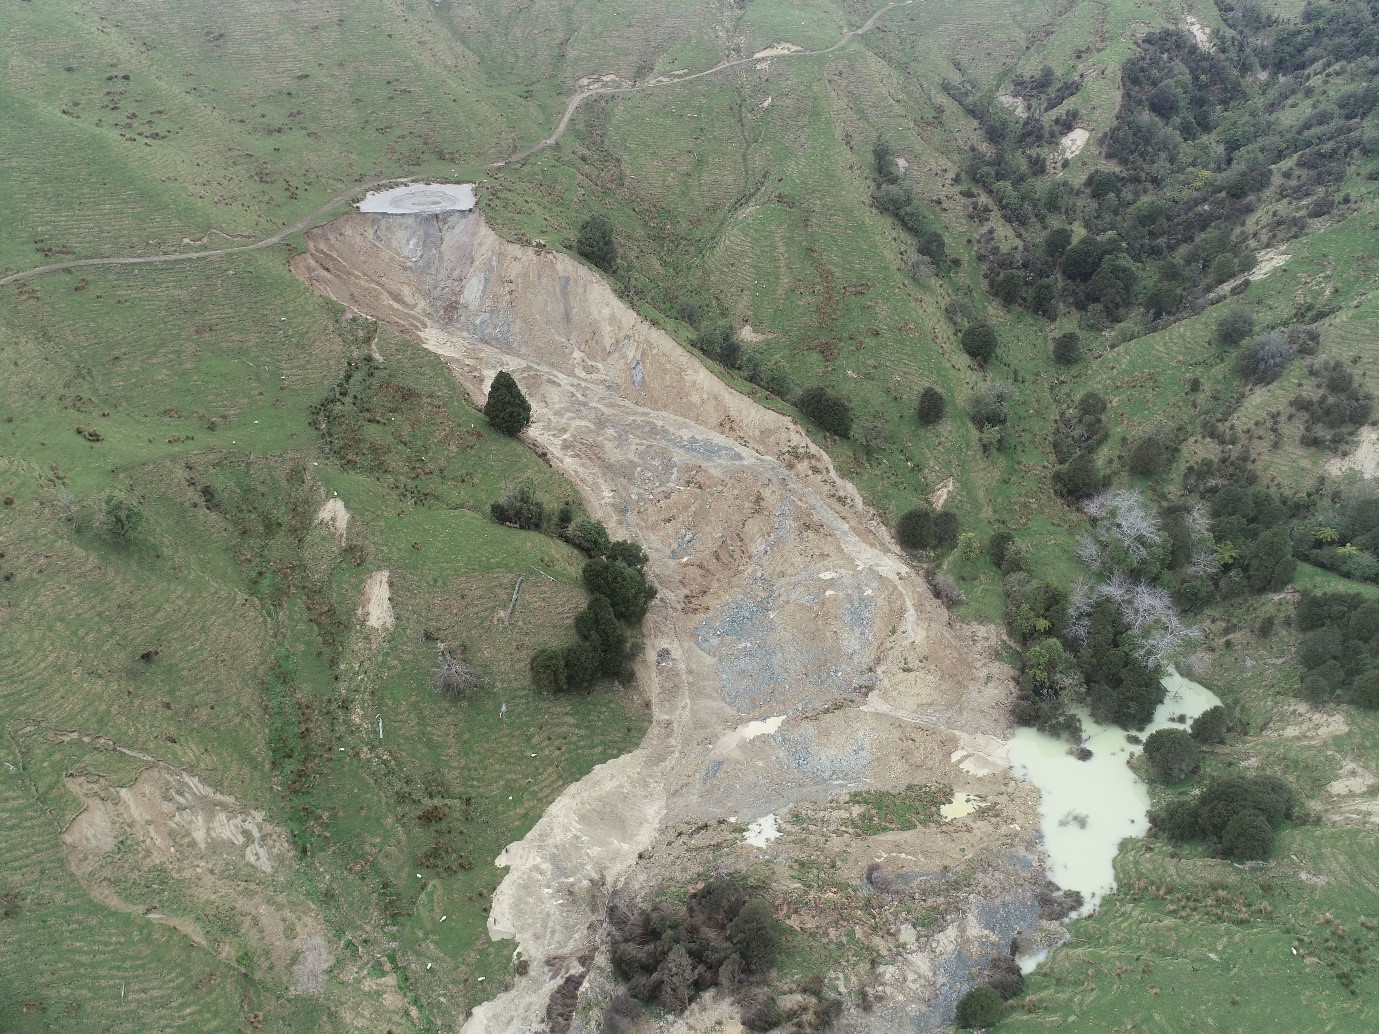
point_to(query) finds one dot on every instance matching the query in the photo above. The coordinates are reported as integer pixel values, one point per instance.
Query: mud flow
(793, 657)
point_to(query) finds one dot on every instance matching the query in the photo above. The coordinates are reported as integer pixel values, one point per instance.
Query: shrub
(1067, 348)
(1233, 327)
(979, 1009)
(624, 587)
(980, 342)
(755, 934)
(720, 342)
(923, 527)
(519, 508)
(596, 243)
(931, 406)
(1265, 357)
(1172, 754)
(507, 409)
(831, 412)
(990, 407)
(1210, 725)
(998, 546)
(1247, 837)
(588, 536)
(1149, 457)
(120, 520)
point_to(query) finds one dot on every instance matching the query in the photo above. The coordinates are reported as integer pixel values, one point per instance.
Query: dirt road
(781, 597)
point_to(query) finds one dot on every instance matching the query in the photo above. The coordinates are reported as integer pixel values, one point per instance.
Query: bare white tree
(69, 509)
(454, 678)
(1088, 551)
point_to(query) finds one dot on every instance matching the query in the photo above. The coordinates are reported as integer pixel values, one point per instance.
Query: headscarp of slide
(793, 658)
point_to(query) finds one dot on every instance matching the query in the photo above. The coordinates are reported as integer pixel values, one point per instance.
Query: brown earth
(191, 858)
(781, 595)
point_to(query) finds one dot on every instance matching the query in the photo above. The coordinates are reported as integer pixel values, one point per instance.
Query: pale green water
(1090, 806)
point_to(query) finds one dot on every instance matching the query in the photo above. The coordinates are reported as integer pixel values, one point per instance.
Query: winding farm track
(584, 95)
(307, 222)
(323, 214)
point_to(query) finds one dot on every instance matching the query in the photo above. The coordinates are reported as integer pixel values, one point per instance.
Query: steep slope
(780, 596)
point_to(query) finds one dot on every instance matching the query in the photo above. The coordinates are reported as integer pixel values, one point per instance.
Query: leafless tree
(1203, 563)
(69, 509)
(454, 678)
(944, 588)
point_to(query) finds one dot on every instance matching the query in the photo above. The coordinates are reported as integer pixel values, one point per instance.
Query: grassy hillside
(222, 637)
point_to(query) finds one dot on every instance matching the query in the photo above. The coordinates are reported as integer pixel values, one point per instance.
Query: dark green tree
(1149, 457)
(507, 409)
(583, 664)
(120, 520)
(931, 406)
(1226, 797)
(1248, 837)
(755, 934)
(596, 243)
(923, 527)
(624, 587)
(1269, 562)
(1210, 725)
(1364, 691)
(831, 412)
(1056, 242)
(1172, 755)
(598, 626)
(1067, 348)
(980, 342)
(979, 1009)
(548, 670)
(1079, 478)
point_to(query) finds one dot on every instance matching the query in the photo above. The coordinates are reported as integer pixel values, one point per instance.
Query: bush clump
(1238, 815)
(979, 1009)
(831, 412)
(1172, 755)
(923, 527)
(931, 406)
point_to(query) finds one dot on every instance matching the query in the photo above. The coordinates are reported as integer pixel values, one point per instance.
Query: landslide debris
(782, 606)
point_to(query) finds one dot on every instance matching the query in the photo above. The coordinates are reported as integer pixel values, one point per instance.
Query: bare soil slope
(780, 595)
